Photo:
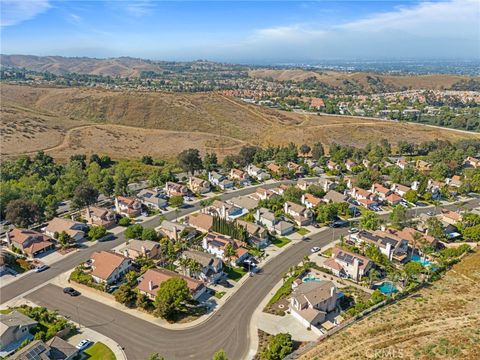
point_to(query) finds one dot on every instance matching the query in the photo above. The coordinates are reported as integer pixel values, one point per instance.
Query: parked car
(315, 249)
(353, 230)
(82, 345)
(71, 291)
(430, 213)
(41, 268)
(225, 284)
(339, 223)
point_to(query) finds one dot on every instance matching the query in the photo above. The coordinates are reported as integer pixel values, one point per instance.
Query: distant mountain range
(59, 65)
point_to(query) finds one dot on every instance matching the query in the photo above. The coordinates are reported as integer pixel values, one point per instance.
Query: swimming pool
(309, 278)
(386, 288)
(422, 261)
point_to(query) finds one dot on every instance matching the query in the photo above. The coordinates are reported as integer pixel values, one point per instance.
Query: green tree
(23, 212)
(317, 151)
(220, 355)
(176, 201)
(155, 356)
(210, 162)
(97, 232)
(170, 297)
(398, 216)
(305, 149)
(134, 232)
(84, 195)
(370, 221)
(472, 233)
(149, 234)
(125, 295)
(411, 196)
(293, 194)
(229, 252)
(279, 346)
(190, 160)
(108, 186)
(435, 228)
(63, 238)
(147, 160)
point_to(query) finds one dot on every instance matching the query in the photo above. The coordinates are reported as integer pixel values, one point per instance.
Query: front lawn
(280, 241)
(303, 231)
(99, 351)
(219, 294)
(235, 273)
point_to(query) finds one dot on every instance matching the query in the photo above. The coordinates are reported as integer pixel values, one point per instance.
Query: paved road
(32, 280)
(228, 328)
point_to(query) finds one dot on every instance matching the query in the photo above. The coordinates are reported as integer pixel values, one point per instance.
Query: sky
(243, 31)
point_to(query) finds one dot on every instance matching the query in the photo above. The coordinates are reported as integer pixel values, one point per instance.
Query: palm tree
(195, 267)
(306, 260)
(373, 276)
(417, 236)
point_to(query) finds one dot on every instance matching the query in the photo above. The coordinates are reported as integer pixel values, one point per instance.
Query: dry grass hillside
(439, 322)
(53, 114)
(59, 65)
(336, 79)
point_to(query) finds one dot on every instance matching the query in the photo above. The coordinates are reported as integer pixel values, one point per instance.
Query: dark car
(339, 223)
(225, 284)
(71, 291)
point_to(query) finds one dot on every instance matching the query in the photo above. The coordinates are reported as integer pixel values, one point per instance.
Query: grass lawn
(219, 294)
(6, 311)
(280, 241)
(99, 351)
(303, 231)
(234, 274)
(327, 252)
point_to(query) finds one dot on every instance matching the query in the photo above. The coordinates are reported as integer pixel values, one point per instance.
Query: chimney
(383, 227)
(144, 250)
(125, 253)
(356, 270)
(332, 291)
(389, 251)
(150, 285)
(9, 240)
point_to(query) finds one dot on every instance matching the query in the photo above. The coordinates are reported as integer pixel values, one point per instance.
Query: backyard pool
(386, 288)
(422, 261)
(309, 278)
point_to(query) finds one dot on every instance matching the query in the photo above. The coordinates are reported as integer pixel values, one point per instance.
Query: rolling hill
(65, 120)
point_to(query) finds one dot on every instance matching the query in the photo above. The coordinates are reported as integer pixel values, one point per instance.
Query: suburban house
(311, 301)
(361, 194)
(224, 210)
(302, 185)
(141, 248)
(258, 234)
(108, 267)
(99, 216)
(300, 214)
(244, 202)
(154, 198)
(333, 196)
(450, 217)
(455, 181)
(297, 169)
(30, 242)
(200, 221)
(54, 349)
(212, 266)
(393, 199)
(349, 164)
(389, 245)
(264, 194)
(149, 283)
(14, 329)
(215, 244)
(332, 165)
(423, 166)
(240, 176)
(344, 263)
(278, 226)
(402, 164)
(76, 230)
(408, 235)
(198, 186)
(219, 180)
(175, 189)
(381, 191)
(176, 231)
(274, 168)
(326, 184)
(127, 206)
(471, 162)
(257, 173)
(400, 189)
(310, 201)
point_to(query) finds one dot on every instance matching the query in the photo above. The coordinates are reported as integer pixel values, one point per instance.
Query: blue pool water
(310, 278)
(386, 288)
(423, 262)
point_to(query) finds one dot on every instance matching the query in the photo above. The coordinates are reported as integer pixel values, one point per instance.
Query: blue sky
(271, 31)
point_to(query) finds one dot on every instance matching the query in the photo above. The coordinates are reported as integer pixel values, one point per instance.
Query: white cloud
(139, 8)
(440, 29)
(15, 11)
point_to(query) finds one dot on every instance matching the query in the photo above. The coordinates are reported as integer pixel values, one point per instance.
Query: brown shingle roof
(201, 221)
(105, 263)
(158, 276)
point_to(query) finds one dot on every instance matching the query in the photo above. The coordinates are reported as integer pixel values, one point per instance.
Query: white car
(315, 249)
(353, 230)
(41, 268)
(82, 345)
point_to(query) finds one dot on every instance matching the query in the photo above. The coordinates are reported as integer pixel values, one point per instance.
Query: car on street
(315, 249)
(353, 230)
(82, 345)
(338, 223)
(40, 268)
(71, 291)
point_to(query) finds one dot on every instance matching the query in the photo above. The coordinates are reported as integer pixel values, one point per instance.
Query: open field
(70, 120)
(439, 322)
(336, 79)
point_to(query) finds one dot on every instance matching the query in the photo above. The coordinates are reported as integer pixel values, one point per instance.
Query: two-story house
(175, 189)
(14, 330)
(198, 186)
(99, 216)
(310, 201)
(108, 267)
(300, 214)
(310, 302)
(240, 176)
(215, 244)
(141, 248)
(127, 206)
(220, 180)
(31, 242)
(211, 266)
(154, 198)
(75, 229)
(257, 173)
(345, 263)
